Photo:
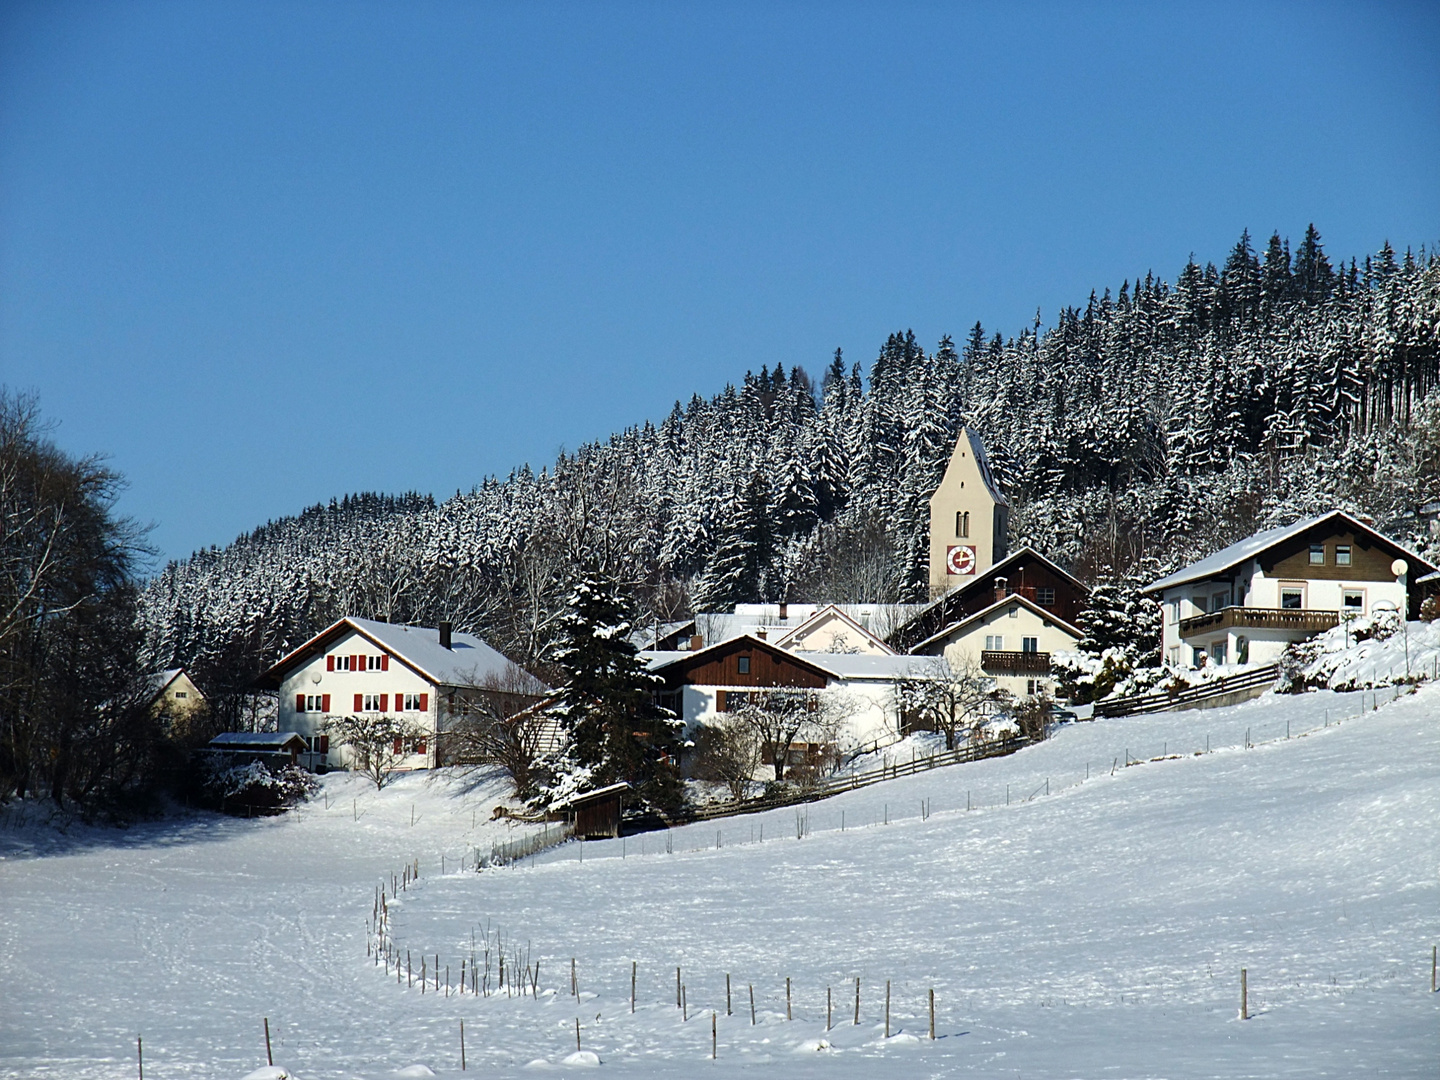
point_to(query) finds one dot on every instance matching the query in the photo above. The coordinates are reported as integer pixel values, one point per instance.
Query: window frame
(1344, 554)
(1318, 549)
(742, 664)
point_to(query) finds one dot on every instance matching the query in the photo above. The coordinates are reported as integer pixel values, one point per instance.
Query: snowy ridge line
(1002, 747)
(1171, 699)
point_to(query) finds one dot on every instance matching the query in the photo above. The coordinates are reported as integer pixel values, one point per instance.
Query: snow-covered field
(1097, 931)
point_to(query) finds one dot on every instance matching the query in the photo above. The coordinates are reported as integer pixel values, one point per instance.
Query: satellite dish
(314, 676)
(1399, 567)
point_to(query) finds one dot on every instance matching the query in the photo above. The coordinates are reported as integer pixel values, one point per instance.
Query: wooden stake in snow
(574, 979)
(140, 1055)
(932, 1012)
(1432, 968)
(1244, 997)
(727, 993)
(827, 1008)
(577, 1035)
(752, 1004)
(887, 1008)
(712, 1036)
(684, 1006)
(857, 999)
(462, 1045)
(788, 1015)
(269, 1057)
(633, 966)
(677, 988)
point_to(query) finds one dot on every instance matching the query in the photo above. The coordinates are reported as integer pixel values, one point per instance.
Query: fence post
(1244, 996)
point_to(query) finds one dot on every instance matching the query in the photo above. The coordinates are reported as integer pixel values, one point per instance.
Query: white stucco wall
(1254, 589)
(342, 686)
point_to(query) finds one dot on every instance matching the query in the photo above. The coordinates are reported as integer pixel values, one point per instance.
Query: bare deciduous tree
(378, 743)
(504, 725)
(782, 716)
(727, 752)
(941, 697)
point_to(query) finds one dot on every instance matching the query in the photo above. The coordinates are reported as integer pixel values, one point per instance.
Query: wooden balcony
(1295, 620)
(1015, 663)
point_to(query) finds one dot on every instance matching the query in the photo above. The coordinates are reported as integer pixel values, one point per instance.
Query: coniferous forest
(1150, 424)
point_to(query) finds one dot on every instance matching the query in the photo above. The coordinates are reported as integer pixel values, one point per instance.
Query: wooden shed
(597, 813)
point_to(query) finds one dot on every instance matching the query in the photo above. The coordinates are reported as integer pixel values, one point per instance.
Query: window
(1030, 644)
(962, 523)
(1342, 554)
(1219, 601)
(1045, 597)
(1352, 602)
(1317, 554)
(1014, 611)
(411, 702)
(374, 702)
(1217, 651)
(181, 695)
(319, 744)
(994, 642)
(375, 663)
(1197, 657)
(1174, 606)
(1292, 598)
(1199, 602)
(1173, 656)
(316, 703)
(742, 665)
(1032, 686)
(1242, 650)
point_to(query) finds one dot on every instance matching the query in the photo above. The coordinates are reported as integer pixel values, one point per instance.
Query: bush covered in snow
(1375, 650)
(254, 787)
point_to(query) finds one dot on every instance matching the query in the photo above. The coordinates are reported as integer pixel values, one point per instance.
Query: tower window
(962, 523)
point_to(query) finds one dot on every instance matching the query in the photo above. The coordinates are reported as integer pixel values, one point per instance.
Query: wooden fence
(1190, 695)
(837, 785)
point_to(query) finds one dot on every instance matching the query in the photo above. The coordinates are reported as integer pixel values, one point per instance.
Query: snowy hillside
(1099, 930)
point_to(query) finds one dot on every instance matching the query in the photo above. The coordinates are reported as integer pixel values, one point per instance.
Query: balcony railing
(1292, 619)
(1015, 663)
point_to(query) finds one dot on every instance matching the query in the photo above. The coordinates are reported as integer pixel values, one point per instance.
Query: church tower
(969, 518)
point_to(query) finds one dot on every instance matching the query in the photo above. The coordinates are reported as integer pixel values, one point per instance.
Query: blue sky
(265, 254)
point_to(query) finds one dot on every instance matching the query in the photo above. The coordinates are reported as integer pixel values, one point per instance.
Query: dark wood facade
(721, 665)
(1027, 573)
(1370, 556)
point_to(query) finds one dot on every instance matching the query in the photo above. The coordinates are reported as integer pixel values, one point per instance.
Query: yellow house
(174, 692)
(830, 630)
(1010, 641)
(969, 518)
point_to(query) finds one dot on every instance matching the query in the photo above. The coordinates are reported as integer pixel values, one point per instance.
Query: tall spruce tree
(607, 704)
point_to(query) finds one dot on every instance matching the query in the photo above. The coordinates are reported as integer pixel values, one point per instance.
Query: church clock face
(960, 560)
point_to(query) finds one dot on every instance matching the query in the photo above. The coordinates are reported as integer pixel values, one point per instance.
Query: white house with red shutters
(420, 674)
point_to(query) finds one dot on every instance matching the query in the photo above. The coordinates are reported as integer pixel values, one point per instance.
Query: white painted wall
(342, 686)
(874, 718)
(1256, 590)
(1014, 622)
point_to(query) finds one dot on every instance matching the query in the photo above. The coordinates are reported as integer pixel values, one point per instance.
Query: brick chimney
(1000, 584)
(697, 642)
(445, 629)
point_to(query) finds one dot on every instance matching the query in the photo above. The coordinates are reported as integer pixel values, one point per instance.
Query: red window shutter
(359, 702)
(330, 662)
(325, 707)
(719, 700)
(424, 702)
(399, 748)
(323, 742)
(385, 661)
(420, 747)
(355, 664)
(384, 702)
(299, 702)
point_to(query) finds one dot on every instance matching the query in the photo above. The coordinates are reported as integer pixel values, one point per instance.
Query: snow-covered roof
(1013, 598)
(820, 616)
(159, 680)
(839, 666)
(1227, 558)
(256, 740)
(987, 576)
(865, 666)
(977, 447)
(879, 620)
(645, 637)
(468, 661)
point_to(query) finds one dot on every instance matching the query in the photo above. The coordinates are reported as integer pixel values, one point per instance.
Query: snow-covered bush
(254, 787)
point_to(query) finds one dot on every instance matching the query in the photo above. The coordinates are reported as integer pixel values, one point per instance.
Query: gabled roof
(468, 662)
(977, 447)
(1227, 559)
(1025, 554)
(827, 612)
(839, 666)
(1014, 598)
(160, 681)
